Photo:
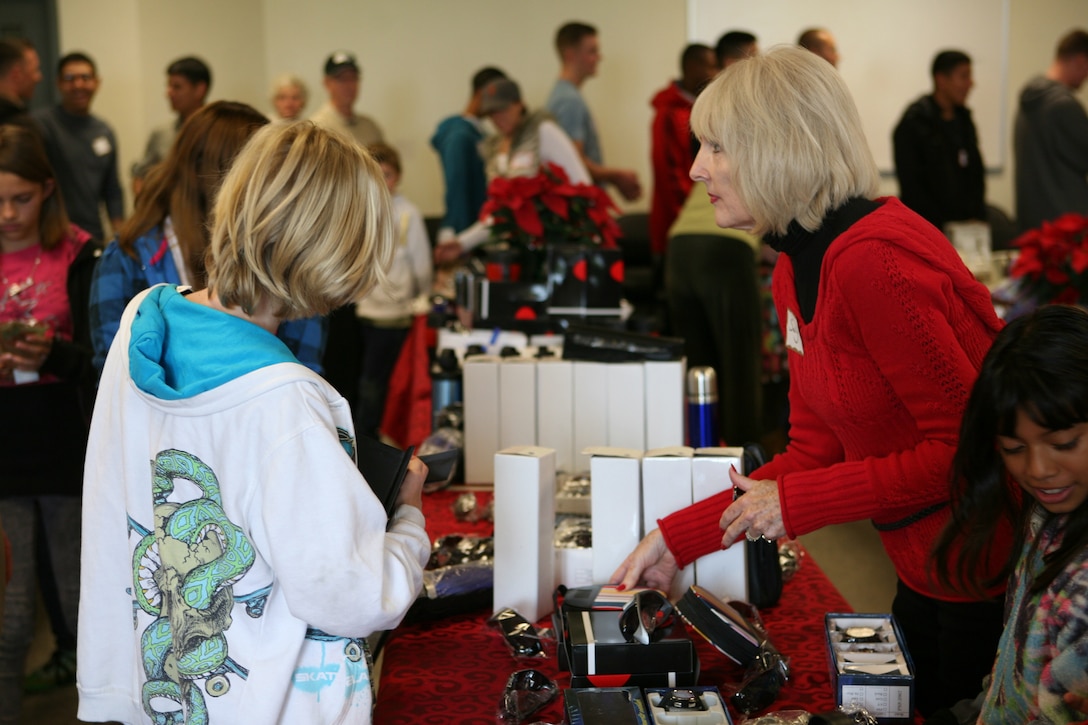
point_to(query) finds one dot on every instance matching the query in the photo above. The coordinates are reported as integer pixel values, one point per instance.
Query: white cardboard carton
(517, 402)
(722, 573)
(666, 487)
(627, 405)
(555, 410)
(524, 530)
(573, 567)
(664, 385)
(480, 375)
(616, 505)
(590, 409)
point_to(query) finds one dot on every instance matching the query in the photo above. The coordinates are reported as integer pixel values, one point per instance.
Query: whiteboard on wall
(886, 52)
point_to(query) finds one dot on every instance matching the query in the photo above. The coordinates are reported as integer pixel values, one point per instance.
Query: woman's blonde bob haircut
(301, 224)
(792, 135)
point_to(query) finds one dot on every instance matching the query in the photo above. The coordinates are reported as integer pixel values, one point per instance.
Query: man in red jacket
(671, 142)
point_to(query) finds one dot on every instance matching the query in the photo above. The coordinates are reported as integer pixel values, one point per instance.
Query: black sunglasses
(526, 692)
(645, 615)
(762, 683)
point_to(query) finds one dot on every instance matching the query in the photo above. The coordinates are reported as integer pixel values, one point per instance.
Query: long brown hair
(183, 186)
(22, 154)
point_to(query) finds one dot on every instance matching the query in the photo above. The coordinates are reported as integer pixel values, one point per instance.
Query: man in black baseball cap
(342, 79)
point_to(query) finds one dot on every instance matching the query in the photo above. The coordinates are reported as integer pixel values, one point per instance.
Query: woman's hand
(411, 491)
(30, 352)
(7, 365)
(650, 564)
(447, 252)
(757, 513)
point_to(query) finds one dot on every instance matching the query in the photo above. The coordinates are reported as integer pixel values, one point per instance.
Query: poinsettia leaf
(559, 205)
(1067, 296)
(526, 216)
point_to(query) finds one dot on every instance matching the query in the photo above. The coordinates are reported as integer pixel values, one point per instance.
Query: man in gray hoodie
(1051, 138)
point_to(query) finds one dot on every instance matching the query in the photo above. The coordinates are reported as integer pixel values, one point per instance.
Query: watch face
(860, 634)
(683, 700)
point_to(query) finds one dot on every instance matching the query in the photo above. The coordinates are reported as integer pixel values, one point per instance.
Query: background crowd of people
(860, 287)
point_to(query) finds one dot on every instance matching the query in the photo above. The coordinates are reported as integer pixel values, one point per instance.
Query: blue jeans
(59, 519)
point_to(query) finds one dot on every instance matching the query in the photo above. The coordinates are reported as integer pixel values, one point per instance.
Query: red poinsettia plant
(1053, 262)
(527, 212)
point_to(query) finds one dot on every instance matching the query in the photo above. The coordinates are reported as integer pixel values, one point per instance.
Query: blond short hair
(290, 80)
(792, 134)
(302, 222)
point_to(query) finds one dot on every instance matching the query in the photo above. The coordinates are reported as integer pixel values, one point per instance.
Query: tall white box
(722, 573)
(555, 411)
(517, 402)
(480, 384)
(664, 386)
(616, 506)
(627, 405)
(666, 488)
(573, 559)
(590, 409)
(524, 530)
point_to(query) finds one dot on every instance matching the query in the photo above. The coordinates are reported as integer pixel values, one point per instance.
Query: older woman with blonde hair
(886, 331)
(289, 97)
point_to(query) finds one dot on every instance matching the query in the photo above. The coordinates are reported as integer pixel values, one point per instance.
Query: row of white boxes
(631, 490)
(567, 405)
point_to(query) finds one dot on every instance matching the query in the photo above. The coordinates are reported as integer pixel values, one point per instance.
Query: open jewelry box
(870, 665)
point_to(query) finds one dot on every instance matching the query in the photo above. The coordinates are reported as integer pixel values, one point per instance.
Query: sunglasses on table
(645, 617)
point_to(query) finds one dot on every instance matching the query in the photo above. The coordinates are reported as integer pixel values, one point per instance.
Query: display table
(453, 670)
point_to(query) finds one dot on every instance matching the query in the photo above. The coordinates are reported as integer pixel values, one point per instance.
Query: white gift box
(722, 573)
(664, 402)
(517, 402)
(627, 405)
(555, 411)
(616, 506)
(480, 375)
(524, 530)
(666, 487)
(590, 422)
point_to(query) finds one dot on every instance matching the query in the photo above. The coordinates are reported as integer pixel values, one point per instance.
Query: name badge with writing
(101, 146)
(793, 334)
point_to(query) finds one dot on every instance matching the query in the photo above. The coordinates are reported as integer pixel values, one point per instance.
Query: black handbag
(761, 556)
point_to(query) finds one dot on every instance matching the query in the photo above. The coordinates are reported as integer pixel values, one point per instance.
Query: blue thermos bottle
(445, 383)
(702, 395)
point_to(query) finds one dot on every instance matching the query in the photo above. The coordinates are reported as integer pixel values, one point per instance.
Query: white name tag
(101, 146)
(522, 160)
(793, 334)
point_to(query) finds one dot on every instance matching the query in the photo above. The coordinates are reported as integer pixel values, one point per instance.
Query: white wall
(418, 57)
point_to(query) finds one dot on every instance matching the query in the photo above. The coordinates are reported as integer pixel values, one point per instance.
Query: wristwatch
(687, 707)
(855, 635)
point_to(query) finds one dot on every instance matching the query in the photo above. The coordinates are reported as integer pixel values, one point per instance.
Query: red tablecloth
(454, 670)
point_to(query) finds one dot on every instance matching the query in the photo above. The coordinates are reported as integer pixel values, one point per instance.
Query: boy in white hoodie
(234, 559)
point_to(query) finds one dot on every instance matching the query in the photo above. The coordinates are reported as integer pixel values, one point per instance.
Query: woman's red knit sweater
(878, 385)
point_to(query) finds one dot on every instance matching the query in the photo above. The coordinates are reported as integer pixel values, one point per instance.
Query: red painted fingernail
(620, 587)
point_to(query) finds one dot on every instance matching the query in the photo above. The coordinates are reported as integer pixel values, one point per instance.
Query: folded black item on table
(721, 624)
(459, 578)
(526, 692)
(762, 683)
(521, 637)
(598, 344)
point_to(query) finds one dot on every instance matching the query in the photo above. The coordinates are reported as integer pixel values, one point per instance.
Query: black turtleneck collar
(806, 249)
